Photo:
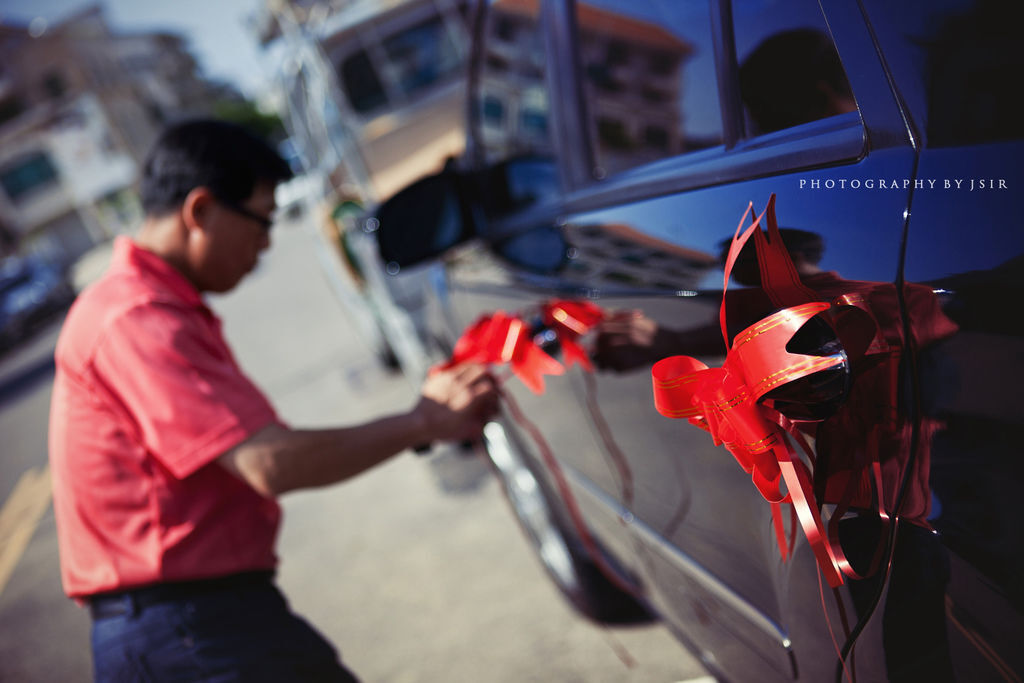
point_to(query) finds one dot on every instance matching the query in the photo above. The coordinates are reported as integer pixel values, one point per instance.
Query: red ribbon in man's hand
(500, 338)
(571, 320)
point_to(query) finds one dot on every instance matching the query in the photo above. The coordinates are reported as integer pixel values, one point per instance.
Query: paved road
(416, 570)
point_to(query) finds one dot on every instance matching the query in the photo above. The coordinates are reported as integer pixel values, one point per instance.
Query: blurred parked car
(614, 146)
(31, 292)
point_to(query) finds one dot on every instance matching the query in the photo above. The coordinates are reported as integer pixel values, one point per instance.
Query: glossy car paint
(941, 264)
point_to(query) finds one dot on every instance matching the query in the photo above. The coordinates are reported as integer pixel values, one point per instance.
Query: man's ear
(196, 208)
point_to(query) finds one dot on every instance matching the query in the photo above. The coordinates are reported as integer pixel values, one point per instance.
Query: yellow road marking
(19, 517)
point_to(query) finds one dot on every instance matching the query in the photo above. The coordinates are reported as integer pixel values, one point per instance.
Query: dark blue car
(614, 147)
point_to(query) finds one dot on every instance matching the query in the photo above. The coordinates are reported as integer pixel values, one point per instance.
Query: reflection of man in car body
(791, 78)
(167, 460)
(865, 426)
(794, 77)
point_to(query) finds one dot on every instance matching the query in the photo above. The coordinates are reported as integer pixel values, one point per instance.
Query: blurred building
(79, 107)
(371, 90)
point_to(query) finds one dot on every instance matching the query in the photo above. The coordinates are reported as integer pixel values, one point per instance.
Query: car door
(653, 126)
(653, 195)
(517, 268)
(954, 66)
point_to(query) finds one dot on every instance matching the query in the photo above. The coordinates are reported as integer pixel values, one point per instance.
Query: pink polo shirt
(147, 395)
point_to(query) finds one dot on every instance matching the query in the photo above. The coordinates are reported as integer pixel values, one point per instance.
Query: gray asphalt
(415, 570)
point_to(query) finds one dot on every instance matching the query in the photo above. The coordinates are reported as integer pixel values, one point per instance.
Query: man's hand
(456, 404)
(627, 340)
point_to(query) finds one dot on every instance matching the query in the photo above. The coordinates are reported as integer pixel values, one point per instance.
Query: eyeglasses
(265, 223)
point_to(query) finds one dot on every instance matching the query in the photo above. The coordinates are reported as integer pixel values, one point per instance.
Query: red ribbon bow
(571, 320)
(500, 338)
(724, 402)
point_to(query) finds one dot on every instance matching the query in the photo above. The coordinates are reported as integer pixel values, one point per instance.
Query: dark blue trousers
(232, 631)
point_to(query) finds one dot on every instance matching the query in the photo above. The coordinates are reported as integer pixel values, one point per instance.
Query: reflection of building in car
(618, 255)
(634, 71)
(634, 74)
(371, 89)
(513, 107)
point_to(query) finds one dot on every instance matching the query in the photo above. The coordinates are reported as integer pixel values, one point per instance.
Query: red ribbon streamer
(724, 401)
(571, 320)
(500, 338)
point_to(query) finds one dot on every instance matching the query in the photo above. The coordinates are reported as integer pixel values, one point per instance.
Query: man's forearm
(277, 459)
(454, 404)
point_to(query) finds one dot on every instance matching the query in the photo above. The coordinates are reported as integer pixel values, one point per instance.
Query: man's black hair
(224, 157)
(802, 245)
(780, 81)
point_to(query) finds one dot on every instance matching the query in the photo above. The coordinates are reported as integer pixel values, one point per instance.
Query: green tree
(246, 113)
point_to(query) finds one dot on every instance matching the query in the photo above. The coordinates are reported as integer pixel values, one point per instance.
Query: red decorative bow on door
(726, 401)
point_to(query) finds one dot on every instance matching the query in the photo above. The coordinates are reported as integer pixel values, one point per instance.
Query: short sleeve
(172, 372)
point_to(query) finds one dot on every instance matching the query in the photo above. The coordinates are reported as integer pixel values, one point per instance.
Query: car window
(789, 70)
(422, 55)
(362, 84)
(404, 64)
(649, 80)
(27, 174)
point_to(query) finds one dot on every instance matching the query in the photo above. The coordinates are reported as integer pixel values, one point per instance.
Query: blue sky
(216, 29)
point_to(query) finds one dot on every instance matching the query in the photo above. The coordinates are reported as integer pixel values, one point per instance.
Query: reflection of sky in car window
(862, 249)
(856, 248)
(755, 19)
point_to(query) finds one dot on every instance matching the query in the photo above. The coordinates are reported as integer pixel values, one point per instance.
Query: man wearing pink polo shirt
(166, 458)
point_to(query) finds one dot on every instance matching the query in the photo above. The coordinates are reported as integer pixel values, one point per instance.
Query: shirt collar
(130, 257)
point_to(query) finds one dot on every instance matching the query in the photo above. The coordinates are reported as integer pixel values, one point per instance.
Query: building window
(505, 29)
(54, 85)
(511, 94)
(30, 173)
(362, 85)
(422, 55)
(618, 53)
(656, 136)
(493, 110)
(10, 108)
(651, 87)
(660, 63)
(534, 121)
(612, 134)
